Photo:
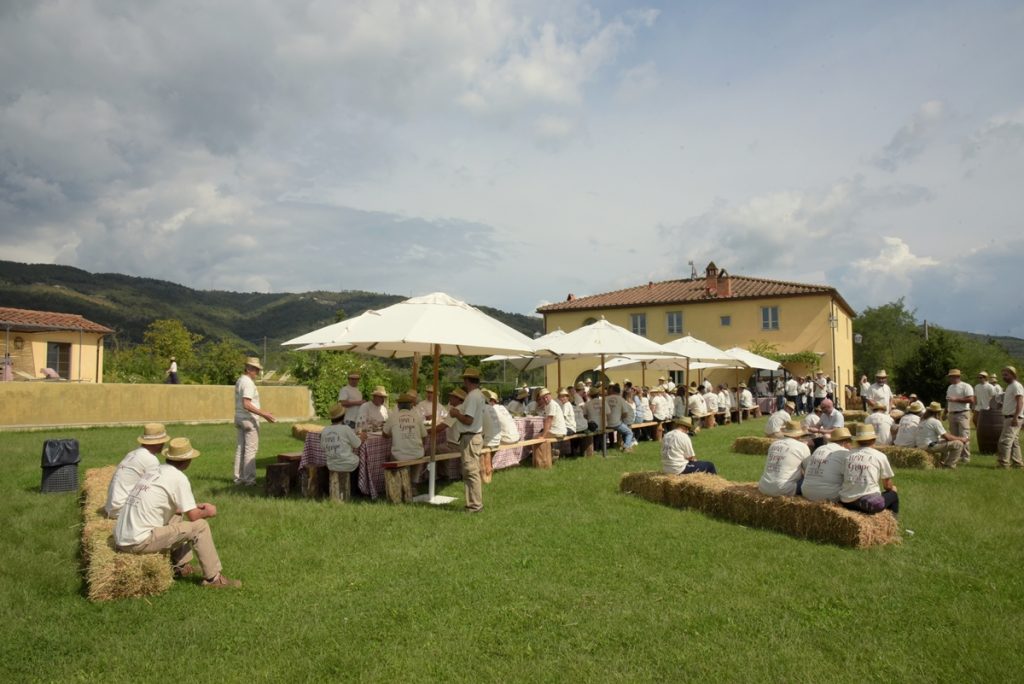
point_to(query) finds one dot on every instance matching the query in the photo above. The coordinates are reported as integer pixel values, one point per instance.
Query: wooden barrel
(990, 425)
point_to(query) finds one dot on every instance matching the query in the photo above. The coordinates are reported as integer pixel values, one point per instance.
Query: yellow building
(723, 310)
(69, 345)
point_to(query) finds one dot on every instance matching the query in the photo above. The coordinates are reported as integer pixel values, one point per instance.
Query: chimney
(650, 284)
(724, 284)
(711, 280)
(571, 297)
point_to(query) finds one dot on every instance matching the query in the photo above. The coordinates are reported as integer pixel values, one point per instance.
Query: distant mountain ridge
(128, 304)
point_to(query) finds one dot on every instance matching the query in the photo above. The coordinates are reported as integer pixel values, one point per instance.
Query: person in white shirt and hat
(554, 416)
(959, 400)
(138, 463)
(933, 437)
(880, 394)
(351, 398)
(677, 455)
(426, 407)
(469, 422)
(373, 413)
(161, 514)
(823, 470)
(782, 474)
(340, 445)
(405, 427)
(516, 406)
(778, 421)
(906, 430)
(984, 393)
(867, 481)
(499, 426)
(745, 400)
(247, 423)
(695, 406)
(1013, 415)
(884, 425)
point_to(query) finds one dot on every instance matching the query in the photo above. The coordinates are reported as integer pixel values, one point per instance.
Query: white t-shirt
(724, 401)
(983, 395)
(696, 406)
(882, 423)
(350, 393)
(370, 415)
(678, 407)
(711, 401)
(245, 388)
(831, 421)
(823, 473)
(865, 387)
(782, 467)
(138, 463)
(906, 433)
(820, 388)
(499, 426)
(865, 469)
(516, 408)
(792, 387)
(646, 414)
(746, 399)
(676, 450)
(776, 422)
(880, 394)
(425, 407)
(1013, 390)
(958, 390)
(811, 420)
(341, 446)
(174, 366)
(153, 501)
(554, 411)
(569, 416)
(407, 434)
(580, 417)
(661, 407)
(473, 407)
(929, 432)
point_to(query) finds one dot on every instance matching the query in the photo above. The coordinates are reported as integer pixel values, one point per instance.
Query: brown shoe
(186, 570)
(222, 582)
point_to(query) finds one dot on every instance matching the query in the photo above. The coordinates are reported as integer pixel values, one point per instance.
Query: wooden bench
(398, 484)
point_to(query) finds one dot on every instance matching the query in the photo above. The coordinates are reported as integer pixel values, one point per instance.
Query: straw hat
(839, 434)
(865, 433)
(543, 392)
(742, 385)
(881, 374)
(180, 449)
(471, 373)
(354, 374)
(1011, 370)
(896, 414)
(406, 398)
(934, 407)
(254, 361)
(684, 422)
(794, 429)
(580, 386)
(174, 358)
(491, 396)
(379, 391)
(983, 374)
(692, 390)
(337, 411)
(459, 394)
(953, 373)
(522, 394)
(153, 433)
(916, 407)
(563, 392)
(791, 406)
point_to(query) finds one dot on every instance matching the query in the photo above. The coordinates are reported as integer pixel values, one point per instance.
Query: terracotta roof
(27, 320)
(694, 291)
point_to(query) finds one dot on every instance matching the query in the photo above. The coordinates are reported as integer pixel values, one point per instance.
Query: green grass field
(561, 578)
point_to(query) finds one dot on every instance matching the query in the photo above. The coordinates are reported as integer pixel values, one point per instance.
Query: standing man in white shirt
(139, 462)
(172, 372)
(959, 400)
(863, 390)
(351, 398)
(820, 388)
(1013, 414)
(984, 393)
(793, 392)
(247, 423)
(880, 394)
(469, 417)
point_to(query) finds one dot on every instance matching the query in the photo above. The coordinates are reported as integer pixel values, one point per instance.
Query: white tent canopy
(752, 360)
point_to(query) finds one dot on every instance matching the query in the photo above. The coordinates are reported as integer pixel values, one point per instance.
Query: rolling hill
(128, 304)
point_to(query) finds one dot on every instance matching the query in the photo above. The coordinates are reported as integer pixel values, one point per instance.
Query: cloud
(638, 81)
(910, 141)
(1003, 133)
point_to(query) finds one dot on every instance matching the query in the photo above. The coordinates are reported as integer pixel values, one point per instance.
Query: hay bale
(854, 416)
(909, 457)
(300, 430)
(110, 574)
(757, 446)
(742, 503)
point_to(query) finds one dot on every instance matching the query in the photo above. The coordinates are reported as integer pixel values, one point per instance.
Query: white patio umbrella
(320, 337)
(698, 351)
(602, 339)
(529, 362)
(656, 363)
(752, 360)
(432, 324)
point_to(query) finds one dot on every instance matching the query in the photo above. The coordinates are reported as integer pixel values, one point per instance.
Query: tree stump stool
(659, 432)
(542, 456)
(316, 482)
(486, 467)
(587, 446)
(340, 485)
(398, 485)
(280, 479)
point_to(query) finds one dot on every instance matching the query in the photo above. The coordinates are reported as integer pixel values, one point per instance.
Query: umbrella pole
(559, 375)
(416, 372)
(643, 374)
(433, 421)
(739, 411)
(604, 433)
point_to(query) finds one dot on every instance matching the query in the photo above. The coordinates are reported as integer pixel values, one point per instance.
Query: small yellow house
(723, 310)
(67, 344)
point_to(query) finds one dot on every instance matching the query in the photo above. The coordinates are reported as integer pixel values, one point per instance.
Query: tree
(219, 363)
(167, 337)
(889, 336)
(924, 372)
(324, 372)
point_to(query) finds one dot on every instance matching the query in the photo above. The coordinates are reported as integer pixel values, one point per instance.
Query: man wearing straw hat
(782, 475)
(959, 400)
(469, 417)
(984, 393)
(426, 407)
(161, 514)
(499, 427)
(617, 417)
(373, 413)
(778, 421)
(138, 463)
(906, 431)
(407, 432)
(866, 469)
(554, 416)
(1013, 414)
(516, 407)
(351, 398)
(823, 470)
(247, 422)
(933, 437)
(677, 455)
(880, 393)
(340, 444)
(883, 422)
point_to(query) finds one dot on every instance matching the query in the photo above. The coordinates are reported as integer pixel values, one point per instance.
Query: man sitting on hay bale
(882, 421)
(933, 437)
(778, 420)
(831, 418)
(677, 455)
(161, 513)
(824, 469)
(138, 463)
(782, 474)
(866, 467)
(906, 431)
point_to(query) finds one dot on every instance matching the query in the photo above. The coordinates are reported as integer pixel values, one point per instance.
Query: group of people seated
(156, 511)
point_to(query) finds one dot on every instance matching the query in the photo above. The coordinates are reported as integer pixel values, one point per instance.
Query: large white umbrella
(321, 337)
(432, 324)
(698, 350)
(523, 363)
(753, 360)
(602, 339)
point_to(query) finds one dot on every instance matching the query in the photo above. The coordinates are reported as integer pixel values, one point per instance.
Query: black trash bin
(60, 465)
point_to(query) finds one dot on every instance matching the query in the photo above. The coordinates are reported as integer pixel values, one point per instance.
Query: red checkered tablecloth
(529, 427)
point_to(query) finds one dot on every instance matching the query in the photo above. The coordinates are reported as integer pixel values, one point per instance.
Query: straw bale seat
(300, 430)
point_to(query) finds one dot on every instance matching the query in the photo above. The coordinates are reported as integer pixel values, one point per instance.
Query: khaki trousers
(181, 536)
(1009, 444)
(960, 426)
(471, 445)
(246, 446)
(952, 452)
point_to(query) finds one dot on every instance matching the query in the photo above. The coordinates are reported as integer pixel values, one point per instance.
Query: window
(726, 321)
(58, 357)
(639, 324)
(674, 322)
(769, 318)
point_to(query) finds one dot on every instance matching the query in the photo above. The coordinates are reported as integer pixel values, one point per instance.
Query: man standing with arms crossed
(247, 421)
(1013, 413)
(469, 417)
(351, 398)
(959, 399)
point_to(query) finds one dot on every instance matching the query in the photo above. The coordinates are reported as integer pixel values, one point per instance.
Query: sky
(510, 153)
